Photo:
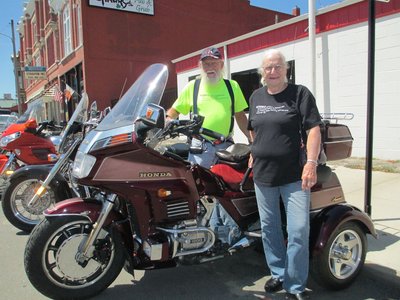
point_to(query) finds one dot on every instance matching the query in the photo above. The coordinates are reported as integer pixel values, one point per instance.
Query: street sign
(35, 72)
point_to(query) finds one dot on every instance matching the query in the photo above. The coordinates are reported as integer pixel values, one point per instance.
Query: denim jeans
(207, 158)
(288, 263)
(224, 227)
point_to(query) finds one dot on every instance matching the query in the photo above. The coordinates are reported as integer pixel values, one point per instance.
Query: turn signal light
(52, 157)
(9, 172)
(162, 193)
(40, 191)
(31, 123)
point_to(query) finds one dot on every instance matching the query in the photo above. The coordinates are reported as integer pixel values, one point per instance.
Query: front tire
(50, 262)
(18, 193)
(342, 258)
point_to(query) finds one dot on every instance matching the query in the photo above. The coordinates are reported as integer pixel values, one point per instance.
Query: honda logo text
(154, 174)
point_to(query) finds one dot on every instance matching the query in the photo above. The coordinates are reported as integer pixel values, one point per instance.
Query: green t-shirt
(213, 103)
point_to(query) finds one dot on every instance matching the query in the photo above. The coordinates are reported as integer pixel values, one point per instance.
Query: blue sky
(13, 9)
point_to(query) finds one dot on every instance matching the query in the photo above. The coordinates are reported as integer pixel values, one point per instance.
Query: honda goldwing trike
(154, 208)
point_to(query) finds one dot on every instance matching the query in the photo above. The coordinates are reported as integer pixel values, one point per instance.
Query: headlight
(9, 138)
(83, 163)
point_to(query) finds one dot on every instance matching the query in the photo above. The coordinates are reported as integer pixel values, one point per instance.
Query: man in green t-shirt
(214, 104)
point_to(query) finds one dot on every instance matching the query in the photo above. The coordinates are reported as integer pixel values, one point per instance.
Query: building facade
(100, 47)
(341, 66)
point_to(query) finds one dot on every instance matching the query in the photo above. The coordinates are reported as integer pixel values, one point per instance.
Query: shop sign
(35, 72)
(136, 6)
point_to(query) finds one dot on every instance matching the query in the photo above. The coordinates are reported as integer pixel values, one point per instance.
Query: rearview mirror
(153, 115)
(93, 111)
(107, 111)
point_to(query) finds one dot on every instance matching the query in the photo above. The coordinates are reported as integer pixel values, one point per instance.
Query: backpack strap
(230, 90)
(195, 95)
(231, 94)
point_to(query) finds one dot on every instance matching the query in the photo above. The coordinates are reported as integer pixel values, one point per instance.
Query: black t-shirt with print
(275, 122)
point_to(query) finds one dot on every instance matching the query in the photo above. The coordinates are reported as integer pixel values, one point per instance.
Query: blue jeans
(207, 158)
(288, 263)
(224, 227)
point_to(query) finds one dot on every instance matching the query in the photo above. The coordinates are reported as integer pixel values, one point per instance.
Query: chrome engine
(190, 237)
(187, 238)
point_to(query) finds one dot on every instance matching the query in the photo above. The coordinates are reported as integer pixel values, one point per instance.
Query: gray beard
(211, 80)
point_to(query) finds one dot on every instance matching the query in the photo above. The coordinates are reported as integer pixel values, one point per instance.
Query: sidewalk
(383, 254)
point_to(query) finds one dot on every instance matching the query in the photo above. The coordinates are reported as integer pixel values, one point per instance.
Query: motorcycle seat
(234, 153)
(232, 177)
(236, 156)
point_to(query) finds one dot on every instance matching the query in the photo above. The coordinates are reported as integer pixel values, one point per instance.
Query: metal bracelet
(312, 161)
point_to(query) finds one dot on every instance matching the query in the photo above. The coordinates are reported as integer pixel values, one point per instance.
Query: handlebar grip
(213, 134)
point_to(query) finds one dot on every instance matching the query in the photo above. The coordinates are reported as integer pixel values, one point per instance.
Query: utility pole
(17, 89)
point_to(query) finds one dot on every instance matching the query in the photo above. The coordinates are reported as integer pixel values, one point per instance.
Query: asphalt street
(241, 276)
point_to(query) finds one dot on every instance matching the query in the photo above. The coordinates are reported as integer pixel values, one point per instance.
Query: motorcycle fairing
(34, 148)
(324, 223)
(16, 127)
(3, 161)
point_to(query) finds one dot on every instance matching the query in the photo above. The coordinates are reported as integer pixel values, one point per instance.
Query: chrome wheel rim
(345, 254)
(59, 258)
(20, 197)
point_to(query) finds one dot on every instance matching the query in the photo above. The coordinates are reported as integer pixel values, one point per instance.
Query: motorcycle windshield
(35, 111)
(148, 88)
(79, 116)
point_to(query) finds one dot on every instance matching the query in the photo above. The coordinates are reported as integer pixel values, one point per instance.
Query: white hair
(268, 53)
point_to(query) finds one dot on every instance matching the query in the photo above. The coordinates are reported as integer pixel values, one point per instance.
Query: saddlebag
(337, 141)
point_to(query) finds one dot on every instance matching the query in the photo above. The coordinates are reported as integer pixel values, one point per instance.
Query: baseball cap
(210, 52)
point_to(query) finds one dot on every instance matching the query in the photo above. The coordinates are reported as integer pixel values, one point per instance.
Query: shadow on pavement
(384, 240)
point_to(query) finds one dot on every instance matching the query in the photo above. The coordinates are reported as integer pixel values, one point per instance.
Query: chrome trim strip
(338, 142)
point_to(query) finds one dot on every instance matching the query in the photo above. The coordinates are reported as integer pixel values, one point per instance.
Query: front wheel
(17, 195)
(342, 258)
(50, 258)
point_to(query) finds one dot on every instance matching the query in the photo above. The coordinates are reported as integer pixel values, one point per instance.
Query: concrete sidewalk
(383, 255)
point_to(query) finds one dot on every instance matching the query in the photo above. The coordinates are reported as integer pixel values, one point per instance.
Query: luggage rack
(337, 116)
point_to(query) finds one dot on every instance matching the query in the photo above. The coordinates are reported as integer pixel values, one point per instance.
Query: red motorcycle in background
(153, 208)
(29, 141)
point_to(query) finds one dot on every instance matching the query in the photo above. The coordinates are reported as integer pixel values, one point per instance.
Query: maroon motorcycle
(154, 207)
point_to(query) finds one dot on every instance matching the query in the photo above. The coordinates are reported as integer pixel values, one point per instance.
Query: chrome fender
(325, 222)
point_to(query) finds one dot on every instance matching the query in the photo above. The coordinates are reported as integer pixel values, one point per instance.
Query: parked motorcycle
(29, 141)
(155, 207)
(21, 204)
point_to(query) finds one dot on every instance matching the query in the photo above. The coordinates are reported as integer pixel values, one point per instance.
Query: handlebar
(193, 128)
(213, 134)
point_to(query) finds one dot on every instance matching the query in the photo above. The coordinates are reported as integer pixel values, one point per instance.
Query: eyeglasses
(210, 63)
(276, 67)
